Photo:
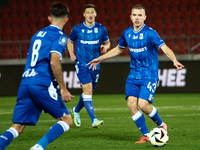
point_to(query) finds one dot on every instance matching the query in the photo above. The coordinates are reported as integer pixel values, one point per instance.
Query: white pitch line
(162, 107)
(5, 113)
(109, 118)
(108, 109)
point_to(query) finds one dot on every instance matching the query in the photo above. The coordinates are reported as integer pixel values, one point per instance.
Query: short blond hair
(138, 6)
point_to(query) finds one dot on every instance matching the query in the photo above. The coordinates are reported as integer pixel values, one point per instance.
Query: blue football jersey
(46, 41)
(143, 46)
(88, 42)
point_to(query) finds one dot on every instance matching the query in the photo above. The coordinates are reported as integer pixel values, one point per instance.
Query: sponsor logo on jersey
(89, 31)
(90, 42)
(83, 30)
(135, 37)
(138, 49)
(29, 73)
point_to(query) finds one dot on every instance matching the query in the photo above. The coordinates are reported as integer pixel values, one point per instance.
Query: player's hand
(178, 65)
(94, 63)
(103, 49)
(66, 95)
(73, 58)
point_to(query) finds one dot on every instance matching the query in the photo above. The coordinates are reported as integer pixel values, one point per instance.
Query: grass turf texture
(181, 112)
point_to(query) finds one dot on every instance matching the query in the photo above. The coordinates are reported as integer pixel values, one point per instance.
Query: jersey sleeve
(59, 45)
(122, 42)
(73, 35)
(156, 39)
(105, 35)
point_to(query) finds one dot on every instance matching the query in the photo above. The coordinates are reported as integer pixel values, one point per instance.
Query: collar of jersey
(88, 26)
(139, 30)
(54, 26)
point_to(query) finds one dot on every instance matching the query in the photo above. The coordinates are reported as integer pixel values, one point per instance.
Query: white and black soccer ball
(158, 137)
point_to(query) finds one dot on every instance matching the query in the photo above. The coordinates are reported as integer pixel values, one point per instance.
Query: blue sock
(155, 116)
(7, 137)
(87, 100)
(140, 122)
(54, 132)
(80, 104)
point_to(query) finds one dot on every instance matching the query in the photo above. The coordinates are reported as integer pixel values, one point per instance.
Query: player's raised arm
(170, 55)
(112, 53)
(57, 72)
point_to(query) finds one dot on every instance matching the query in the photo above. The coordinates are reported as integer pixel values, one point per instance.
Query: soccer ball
(158, 137)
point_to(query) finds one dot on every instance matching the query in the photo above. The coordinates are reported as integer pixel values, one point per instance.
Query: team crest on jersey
(62, 41)
(95, 30)
(141, 36)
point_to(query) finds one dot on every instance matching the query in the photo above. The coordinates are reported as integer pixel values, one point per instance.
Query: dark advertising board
(112, 78)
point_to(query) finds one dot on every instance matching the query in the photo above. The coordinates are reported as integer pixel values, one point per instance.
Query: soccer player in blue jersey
(143, 43)
(91, 40)
(37, 91)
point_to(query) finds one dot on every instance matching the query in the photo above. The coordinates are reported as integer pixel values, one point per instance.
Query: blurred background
(176, 21)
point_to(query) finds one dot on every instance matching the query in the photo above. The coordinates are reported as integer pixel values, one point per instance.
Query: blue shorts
(32, 99)
(144, 89)
(86, 75)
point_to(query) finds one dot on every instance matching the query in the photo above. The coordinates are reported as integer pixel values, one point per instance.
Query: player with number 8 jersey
(38, 89)
(46, 41)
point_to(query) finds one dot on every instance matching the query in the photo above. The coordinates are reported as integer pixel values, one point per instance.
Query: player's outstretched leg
(140, 122)
(7, 137)
(77, 120)
(54, 132)
(156, 118)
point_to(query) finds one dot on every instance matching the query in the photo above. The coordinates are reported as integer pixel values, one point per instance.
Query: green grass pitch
(181, 112)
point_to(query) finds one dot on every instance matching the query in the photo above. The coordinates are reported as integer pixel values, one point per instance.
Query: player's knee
(144, 106)
(88, 92)
(67, 119)
(131, 104)
(128, 104)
